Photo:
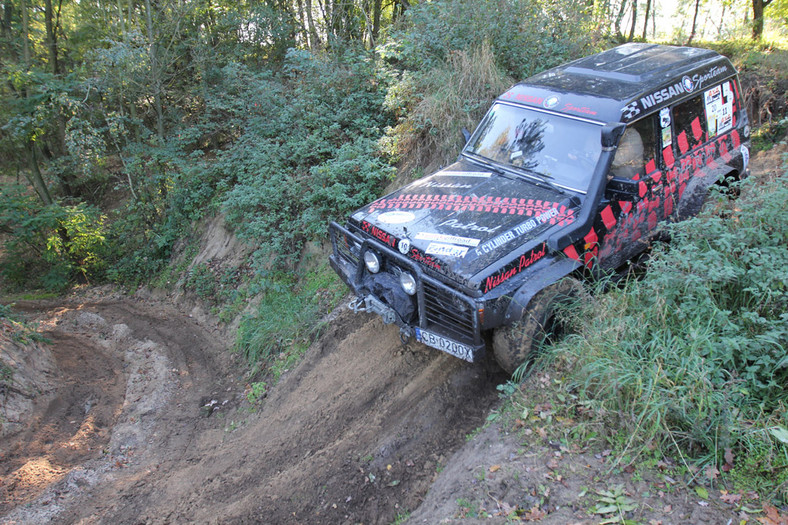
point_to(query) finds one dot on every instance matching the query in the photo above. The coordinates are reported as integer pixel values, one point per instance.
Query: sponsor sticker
(449, 239)
(664, 117)
(442, 185)
(719, 109)
(446, 250)
(396, 217)
(630, 111)
(468, 226)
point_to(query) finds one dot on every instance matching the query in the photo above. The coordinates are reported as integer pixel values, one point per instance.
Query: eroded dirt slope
(356, 433)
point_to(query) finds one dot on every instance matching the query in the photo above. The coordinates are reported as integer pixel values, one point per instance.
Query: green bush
(526, 36)
(458, 56)
(308, 152)
(694, 354)
(50, 246)
(435, 107)
(286, 319)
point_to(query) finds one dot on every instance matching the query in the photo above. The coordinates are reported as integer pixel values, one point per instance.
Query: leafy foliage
(286, 320)
(50, 246)
(434, 108)
(457, 57)
(525, 36)
(308, 153)
(695, 353)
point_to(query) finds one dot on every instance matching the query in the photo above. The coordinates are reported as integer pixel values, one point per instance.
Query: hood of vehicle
(464, 218)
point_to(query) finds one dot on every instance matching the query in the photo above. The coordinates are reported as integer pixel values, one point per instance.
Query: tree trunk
(51, 36)
(155, 73)
(314, 40)
(26, 39)
(757, 17)
(619, 18)
(35, 178)
(694, 22)
(5, 21)
(634, 21)
(645, 18)
(377, 7)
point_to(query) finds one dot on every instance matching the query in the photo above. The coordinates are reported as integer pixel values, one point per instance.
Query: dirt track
(355, 434)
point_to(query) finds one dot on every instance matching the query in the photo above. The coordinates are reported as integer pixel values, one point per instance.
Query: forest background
(125, 124)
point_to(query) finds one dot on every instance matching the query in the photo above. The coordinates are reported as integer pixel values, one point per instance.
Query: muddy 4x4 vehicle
(574, 168)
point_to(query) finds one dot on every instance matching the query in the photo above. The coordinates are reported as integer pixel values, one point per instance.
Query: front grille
(439, 309)
(448, 313)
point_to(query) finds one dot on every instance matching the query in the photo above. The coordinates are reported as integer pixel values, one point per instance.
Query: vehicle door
(635, 198)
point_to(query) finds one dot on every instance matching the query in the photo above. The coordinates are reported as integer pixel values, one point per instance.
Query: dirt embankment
(356, 433)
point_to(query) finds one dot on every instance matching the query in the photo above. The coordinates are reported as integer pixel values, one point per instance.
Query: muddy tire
(519, 342)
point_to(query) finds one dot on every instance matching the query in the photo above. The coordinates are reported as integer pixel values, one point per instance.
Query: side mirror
(611, 133)
(466, 134)
(621, 189)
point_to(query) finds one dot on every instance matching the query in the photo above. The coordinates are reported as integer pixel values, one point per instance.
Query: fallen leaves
(773, 516)
(732, 499)
(728, 456)
(534, 514)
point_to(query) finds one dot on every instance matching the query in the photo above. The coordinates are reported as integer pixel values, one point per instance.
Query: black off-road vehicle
(573, 168)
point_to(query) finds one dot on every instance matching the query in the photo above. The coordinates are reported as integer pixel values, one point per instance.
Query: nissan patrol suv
(572, 169)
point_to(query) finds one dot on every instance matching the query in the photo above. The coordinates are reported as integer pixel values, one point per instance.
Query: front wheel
(515, 344)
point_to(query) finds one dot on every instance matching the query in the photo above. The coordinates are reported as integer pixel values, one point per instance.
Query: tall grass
(695, 355)
(454, 95)
(286, 320)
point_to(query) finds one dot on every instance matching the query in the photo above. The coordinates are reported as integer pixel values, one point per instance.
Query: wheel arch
(558, 268)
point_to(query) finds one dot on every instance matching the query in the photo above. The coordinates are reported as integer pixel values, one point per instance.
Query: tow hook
(358, 305)
(405, 334)
(374, 306)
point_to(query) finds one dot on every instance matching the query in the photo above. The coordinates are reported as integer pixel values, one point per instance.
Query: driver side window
(636, 150)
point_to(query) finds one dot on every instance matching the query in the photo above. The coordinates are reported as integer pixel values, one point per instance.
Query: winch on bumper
(435, 314)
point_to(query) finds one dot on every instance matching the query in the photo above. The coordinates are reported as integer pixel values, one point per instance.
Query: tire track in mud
(355, 433)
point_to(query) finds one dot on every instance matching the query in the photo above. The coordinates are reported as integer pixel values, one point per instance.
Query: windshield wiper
(536, 178)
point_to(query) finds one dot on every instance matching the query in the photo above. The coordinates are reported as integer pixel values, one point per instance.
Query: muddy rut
(356, 433)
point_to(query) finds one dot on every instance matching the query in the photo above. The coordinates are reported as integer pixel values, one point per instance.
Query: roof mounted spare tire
(516, 344)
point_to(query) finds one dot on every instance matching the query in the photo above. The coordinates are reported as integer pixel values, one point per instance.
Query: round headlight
(408, 283)
(372, 261)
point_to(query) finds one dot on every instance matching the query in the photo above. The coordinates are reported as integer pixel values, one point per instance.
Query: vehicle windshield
(563, 150)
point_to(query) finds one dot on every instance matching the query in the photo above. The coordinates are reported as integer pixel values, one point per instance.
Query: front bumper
(437, 315)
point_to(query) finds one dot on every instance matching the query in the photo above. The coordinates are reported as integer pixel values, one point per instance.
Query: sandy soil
(356, 433)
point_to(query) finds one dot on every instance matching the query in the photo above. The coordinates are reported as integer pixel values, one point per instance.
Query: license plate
(447, 345)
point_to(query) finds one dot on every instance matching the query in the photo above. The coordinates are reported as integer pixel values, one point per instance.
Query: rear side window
(689, 119)
(636, 149)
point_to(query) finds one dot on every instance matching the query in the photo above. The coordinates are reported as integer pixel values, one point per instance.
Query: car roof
(622, 83)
